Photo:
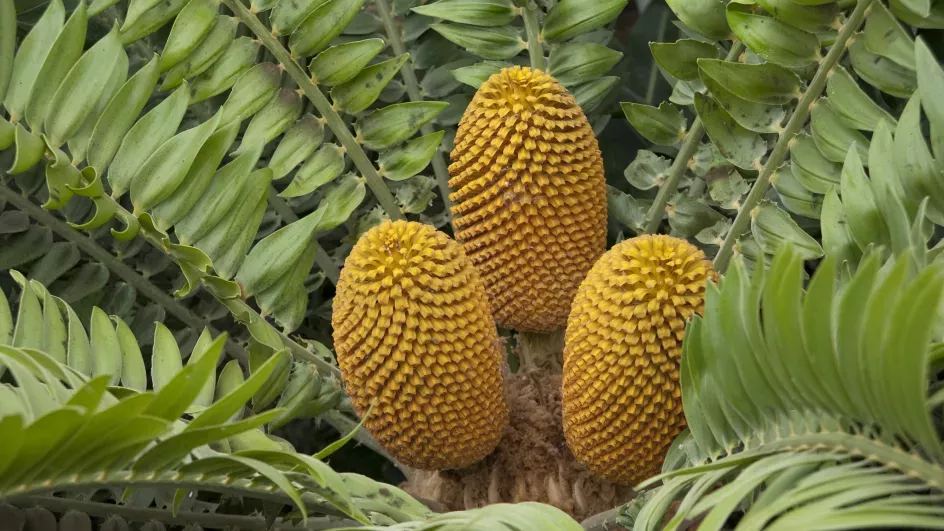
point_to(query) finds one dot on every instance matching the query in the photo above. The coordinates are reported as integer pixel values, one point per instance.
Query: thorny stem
(324, 107)
(322, 258)
(116, 266)
(415, 93)
(680, 164)
(797, 120)
(529, 13)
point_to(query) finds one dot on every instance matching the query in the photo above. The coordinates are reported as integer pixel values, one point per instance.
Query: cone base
(532, 461)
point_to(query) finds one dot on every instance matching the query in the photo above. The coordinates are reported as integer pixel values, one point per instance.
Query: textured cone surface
(413, 332)
(622, 399)
(530, 196)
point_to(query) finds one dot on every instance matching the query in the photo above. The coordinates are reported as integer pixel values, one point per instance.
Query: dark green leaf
(772, 39)
(503, 42)
(741, 147)
(680, 58)
(474, 12)
(705, 17)
(578, 62)
(766, 83)
(570, 18)
(664, 125)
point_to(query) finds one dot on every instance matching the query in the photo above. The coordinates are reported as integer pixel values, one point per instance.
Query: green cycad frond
(568, 41)
(777, 72)
(74, 268)
(817, 401)
(897, 203)
(80, 109)
(497, 517)
(107, 347)
(70, 432)
(63, 431)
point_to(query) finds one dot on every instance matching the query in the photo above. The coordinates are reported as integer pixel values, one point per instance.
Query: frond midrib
(851, 445)
(124, 479)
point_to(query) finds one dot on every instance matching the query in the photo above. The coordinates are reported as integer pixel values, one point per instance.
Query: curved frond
(108, 347)
(92, 269)
(816, 400)
(64, 431)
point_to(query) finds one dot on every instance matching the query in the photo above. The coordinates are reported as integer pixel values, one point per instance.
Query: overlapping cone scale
(413, 333)
(530, 196)
(622, 399)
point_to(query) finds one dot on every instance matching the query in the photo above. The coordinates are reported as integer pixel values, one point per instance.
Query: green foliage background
(182, 181)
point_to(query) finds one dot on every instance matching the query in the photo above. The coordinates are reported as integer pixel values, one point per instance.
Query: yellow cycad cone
(530, 196)
(413, 332)
(622, 399)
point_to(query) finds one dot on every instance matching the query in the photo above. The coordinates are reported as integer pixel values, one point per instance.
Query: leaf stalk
(779, 153)
(415, 93)
(695, 133)
(324, 107)
(119, 268)
(529, 13)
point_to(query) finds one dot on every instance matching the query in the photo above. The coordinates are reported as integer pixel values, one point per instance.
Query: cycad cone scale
(413, 332)
(530, 196)
(622, 399)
